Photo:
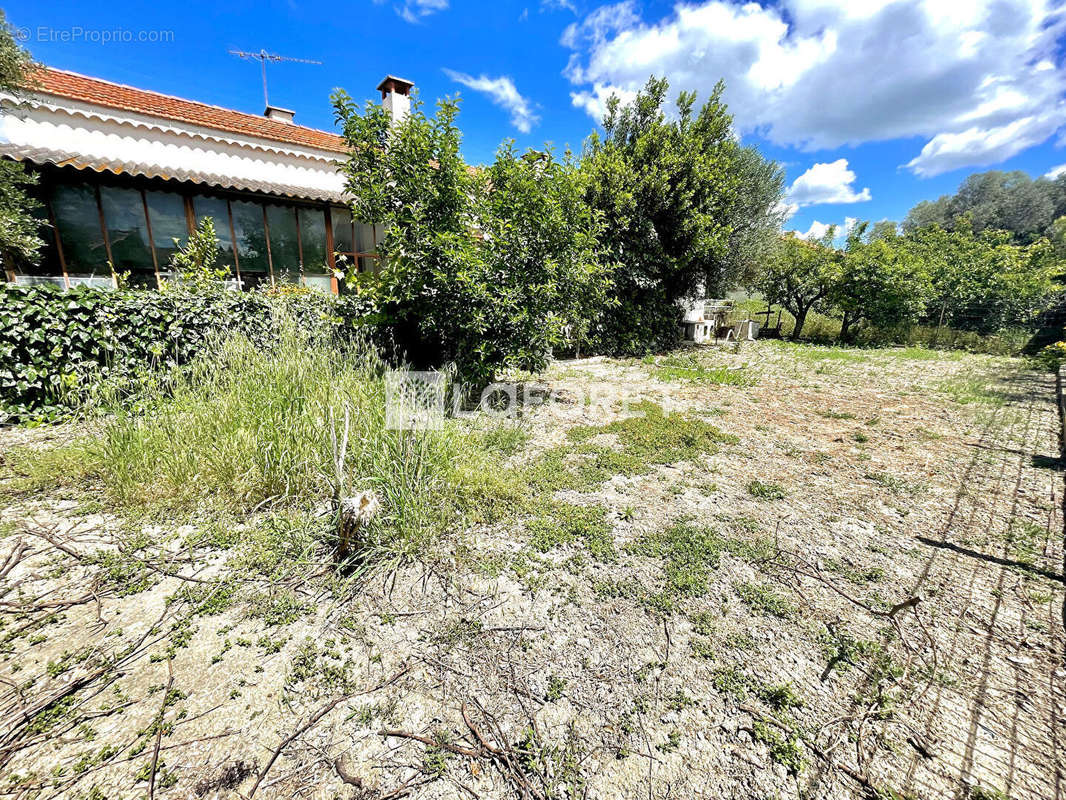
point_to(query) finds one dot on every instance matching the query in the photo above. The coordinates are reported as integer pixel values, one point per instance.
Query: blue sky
(870, 106)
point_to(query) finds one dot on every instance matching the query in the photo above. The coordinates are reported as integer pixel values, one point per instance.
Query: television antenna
(263, 57)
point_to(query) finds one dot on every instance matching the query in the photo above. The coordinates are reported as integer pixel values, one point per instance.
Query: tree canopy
(486, 268)
(19, 240)
(995, 200)
(687, 209)
(885, 280)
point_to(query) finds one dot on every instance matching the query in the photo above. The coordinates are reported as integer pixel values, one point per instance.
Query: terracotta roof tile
(71, 85)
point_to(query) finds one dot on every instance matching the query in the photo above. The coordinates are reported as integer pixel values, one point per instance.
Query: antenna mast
(263, 57)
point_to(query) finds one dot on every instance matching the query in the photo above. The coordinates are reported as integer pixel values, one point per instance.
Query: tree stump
(355, 513)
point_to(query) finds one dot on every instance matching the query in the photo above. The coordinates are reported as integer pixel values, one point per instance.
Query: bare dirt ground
(861, 594)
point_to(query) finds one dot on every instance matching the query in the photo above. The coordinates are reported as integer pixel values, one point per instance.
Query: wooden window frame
(358, 254)
(188, 192)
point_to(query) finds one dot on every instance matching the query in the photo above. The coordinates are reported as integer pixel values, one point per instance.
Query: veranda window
(357, 241)
(127, 234)
(260, 242)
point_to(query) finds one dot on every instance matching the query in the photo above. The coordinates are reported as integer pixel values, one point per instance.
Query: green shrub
(1051, 357)
(56, 347)
(64, 349)
(487, 268)
(765, 491)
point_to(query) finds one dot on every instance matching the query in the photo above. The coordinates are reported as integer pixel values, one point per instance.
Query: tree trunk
(801, 320)
(845, 328)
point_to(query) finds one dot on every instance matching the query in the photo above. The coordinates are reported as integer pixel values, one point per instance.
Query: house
(123, 172)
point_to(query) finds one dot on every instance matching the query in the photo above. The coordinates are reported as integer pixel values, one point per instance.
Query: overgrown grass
(972, 388)
(689, 368)
(563, 523)
(248, 428)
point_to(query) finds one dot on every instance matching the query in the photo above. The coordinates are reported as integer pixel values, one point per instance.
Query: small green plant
(763, 599)
(679, 701)
(703, 623)
(830, 414)
(702, 648)
(784, 749)
(691, 369)
(673, 741)
(564, 523)
(765, 491)
(556, 686)
(893, 483)
(193, 264)
(780, 697)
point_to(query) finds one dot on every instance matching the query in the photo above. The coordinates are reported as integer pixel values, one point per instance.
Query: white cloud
(820, 229)
(415, 10)
(503, 93)
(977, 80)
(816, 231)
(1054, 172)
(826, 183)
(786, 210)
(980, 147)
(558, 5)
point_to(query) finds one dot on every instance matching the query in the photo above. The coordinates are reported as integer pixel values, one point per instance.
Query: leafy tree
(686, 209)
(996, 200)
(927, 213)
(484, 268)
(540, 234)
(981, 281)
(801, 275)
(19, 240)
(754, 220)
(880, 283)
(885, 229)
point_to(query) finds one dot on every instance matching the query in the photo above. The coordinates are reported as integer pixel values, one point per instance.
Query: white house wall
(107, 135)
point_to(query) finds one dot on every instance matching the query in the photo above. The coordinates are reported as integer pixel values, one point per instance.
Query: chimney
(279, 114)
(396, 96)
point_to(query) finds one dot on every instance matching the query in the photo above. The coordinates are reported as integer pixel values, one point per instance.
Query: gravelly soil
(924, 480)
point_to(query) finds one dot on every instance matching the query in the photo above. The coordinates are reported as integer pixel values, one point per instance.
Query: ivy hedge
(57, 347)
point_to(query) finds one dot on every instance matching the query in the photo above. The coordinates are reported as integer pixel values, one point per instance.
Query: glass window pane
(216, 208)
(166, 212)
(370, 264)
(342, 230)
(141, 279)
(320, 282)
(313, 240)
(253, 280)
(379, 234)
(251, 242)
(48, 265)
(78, 220)
(364, 238)
(284, 248)
(127, 232)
